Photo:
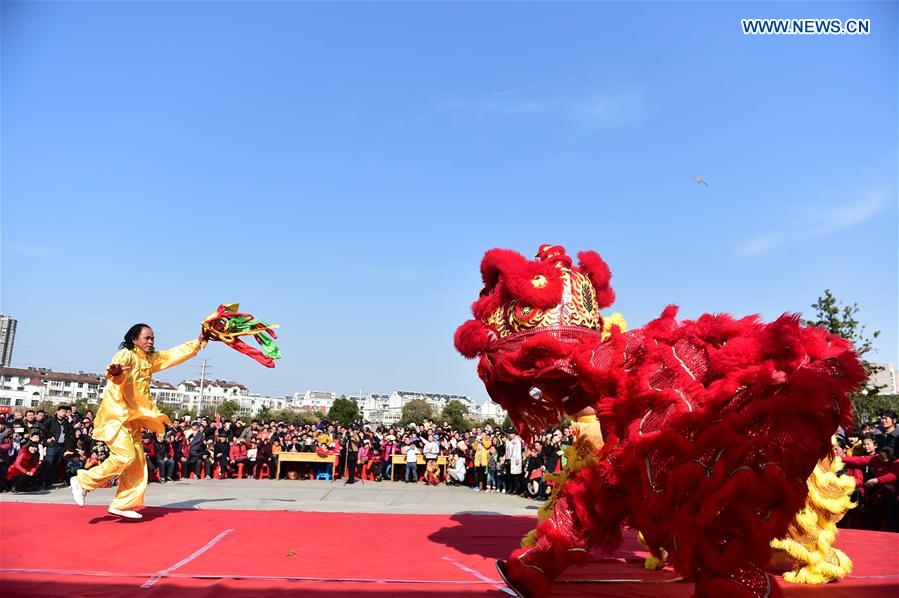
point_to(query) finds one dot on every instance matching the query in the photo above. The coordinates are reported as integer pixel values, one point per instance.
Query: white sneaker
(78, 493)
(125, 514)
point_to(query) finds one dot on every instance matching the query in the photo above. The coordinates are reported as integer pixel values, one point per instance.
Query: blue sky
(341, 168)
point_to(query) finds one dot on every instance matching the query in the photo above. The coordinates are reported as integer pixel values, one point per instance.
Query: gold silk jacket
(126, 397)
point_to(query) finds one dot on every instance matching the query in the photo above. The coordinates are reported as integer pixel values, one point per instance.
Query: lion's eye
(539, 281)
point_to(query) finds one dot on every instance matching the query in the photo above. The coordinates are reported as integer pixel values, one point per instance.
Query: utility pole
(202, 383)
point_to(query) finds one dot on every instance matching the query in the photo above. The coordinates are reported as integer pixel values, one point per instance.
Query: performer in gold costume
(126, 409)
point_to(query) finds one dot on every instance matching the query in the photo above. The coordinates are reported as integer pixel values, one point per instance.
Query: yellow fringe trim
(808, 545)
(579, 455)
(613, 319)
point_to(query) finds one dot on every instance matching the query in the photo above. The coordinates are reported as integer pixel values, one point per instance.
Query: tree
(166, 410)
(283, 415)
(840, 319)
(81, 405)
(46, 405)
(415, 412)
(345, 411)
(264, 414)
(455, 413)
(507, 423)
(228, 408)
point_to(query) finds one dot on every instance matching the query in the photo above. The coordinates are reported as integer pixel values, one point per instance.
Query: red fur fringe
(599, 274)
(471, 339)
(509, 275)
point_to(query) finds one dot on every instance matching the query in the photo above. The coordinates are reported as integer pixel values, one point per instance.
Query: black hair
(890, 414)
(131, 336)
(887, 453)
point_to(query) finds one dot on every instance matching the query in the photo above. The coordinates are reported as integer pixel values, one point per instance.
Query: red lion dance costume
(711, 427)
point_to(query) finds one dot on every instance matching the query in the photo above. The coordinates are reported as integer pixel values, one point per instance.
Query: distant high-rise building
(7, 337)
(885, 379)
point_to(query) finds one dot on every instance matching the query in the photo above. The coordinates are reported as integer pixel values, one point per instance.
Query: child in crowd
(74, 463)
(412, 452)
(251, 459)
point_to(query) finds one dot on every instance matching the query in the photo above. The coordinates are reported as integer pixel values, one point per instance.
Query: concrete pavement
(305, 495)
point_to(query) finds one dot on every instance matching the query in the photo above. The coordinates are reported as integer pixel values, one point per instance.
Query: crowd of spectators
(40, 449)
(869, 455)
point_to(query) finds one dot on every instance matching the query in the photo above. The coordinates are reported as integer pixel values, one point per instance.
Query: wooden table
(303, 458)
(396, 460)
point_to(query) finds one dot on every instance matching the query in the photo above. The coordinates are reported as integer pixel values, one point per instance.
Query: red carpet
(64, 550)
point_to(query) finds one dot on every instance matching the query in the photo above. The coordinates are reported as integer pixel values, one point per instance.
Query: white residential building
(374, 407)
(390, 410)
(215, 392)
(26, 387)
(885, 378)
(313, 400)
(489, 409)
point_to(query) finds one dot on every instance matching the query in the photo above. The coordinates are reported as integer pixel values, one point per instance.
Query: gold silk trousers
(127, 462)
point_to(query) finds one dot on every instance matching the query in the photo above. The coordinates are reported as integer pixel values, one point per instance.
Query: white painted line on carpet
(496, 584)
(160, 574)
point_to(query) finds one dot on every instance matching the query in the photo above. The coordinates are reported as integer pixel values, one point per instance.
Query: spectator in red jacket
(238, 454)
(865, 448)
(22, 474)
(881, 472)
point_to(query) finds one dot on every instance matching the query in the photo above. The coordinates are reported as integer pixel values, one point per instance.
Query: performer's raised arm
(172, 357)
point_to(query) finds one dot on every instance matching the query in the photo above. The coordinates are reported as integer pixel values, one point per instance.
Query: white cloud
(761, 244)
(821, 222)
